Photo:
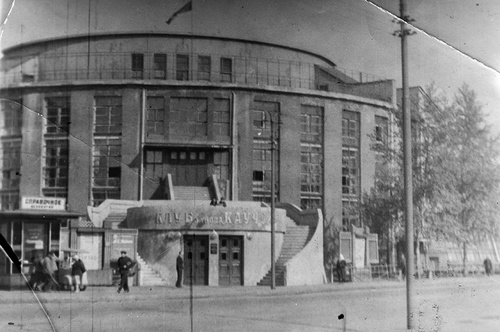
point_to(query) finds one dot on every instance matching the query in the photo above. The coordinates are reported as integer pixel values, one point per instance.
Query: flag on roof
(186, 8)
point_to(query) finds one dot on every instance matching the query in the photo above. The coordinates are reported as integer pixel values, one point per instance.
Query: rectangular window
(137, 65)
(350, 172)
(381, 129)
(311, 145)
(221, 111)
(155, 167)
(106, 175)
(106, 169)
(226, 69)
(10, 165)
(262, 147)
(204, 67)
(350, 128)
(188, 117)
(350, 214)
(56, 147)
(11, 117)
(55, 171)
(160, 66)
(182, 67)
(221, 164)
(155, 116)
(57, 118)
(108, 115)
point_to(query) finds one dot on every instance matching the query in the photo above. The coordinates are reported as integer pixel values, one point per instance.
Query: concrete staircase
(113, 220)
(296, 237)
(185, 193)
(149, 276)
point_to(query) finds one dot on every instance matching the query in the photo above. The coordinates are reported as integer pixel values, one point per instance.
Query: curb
(141, 293)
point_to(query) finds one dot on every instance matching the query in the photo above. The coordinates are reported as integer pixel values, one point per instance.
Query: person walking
(124, 266)
(179, 265)
(49, 266)
(77, 271)
(341, 268)
(402, 266)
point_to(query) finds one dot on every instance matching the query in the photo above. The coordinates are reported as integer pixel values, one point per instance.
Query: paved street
(457, 304)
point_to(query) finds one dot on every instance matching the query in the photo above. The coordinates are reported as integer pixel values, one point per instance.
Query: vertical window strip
(56, 147)
(155, 115)
(311, 177)
(10, 165)
(106, 175)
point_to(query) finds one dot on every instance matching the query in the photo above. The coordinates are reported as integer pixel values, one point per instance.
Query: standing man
(77, 271)
(180, 267)
(124, 265)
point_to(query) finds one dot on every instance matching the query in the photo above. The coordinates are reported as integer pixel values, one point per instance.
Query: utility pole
(408, 185)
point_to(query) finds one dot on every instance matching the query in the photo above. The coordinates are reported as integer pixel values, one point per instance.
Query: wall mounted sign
(185, 216)
(43, 203)
(213, 248)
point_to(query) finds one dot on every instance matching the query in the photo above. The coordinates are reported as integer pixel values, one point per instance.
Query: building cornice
(105, 35)
(110, 84)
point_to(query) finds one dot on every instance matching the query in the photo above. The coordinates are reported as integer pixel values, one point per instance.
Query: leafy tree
(455, 174)
(469, 172)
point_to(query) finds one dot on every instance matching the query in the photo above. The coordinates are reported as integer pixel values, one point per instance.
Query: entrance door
(196, 260)
(188, 167)
(230, 261)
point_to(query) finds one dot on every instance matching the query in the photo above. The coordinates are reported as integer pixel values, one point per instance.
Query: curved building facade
(144, 118)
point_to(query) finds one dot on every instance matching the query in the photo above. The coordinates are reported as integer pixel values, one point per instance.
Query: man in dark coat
(77, 271)
(124, 265)
(488, 267)
(180, 268)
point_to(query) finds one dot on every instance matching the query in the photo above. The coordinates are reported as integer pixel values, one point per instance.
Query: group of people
(44, 273)
(222, 202)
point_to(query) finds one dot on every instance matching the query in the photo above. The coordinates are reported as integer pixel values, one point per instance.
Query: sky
(456, 41)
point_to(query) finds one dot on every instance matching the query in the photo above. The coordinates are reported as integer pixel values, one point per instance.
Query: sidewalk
(144, 293)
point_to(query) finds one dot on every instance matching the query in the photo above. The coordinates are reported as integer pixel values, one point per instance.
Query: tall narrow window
(155, 116)
(350, 168)
(381, 129)
(106, 177)
(56, 147)
(10, 153)
(311, 146)
(226, 70)
(137, 65)
(221, 117)
(10, 164)
(204, 67)
(182, 67)
(263, 145)
(160, 66)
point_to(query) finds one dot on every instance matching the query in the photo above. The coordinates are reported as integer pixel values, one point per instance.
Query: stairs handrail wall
(215, 187)
(299, 216)
(98, 214)
(170, 187)
(310, 258)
